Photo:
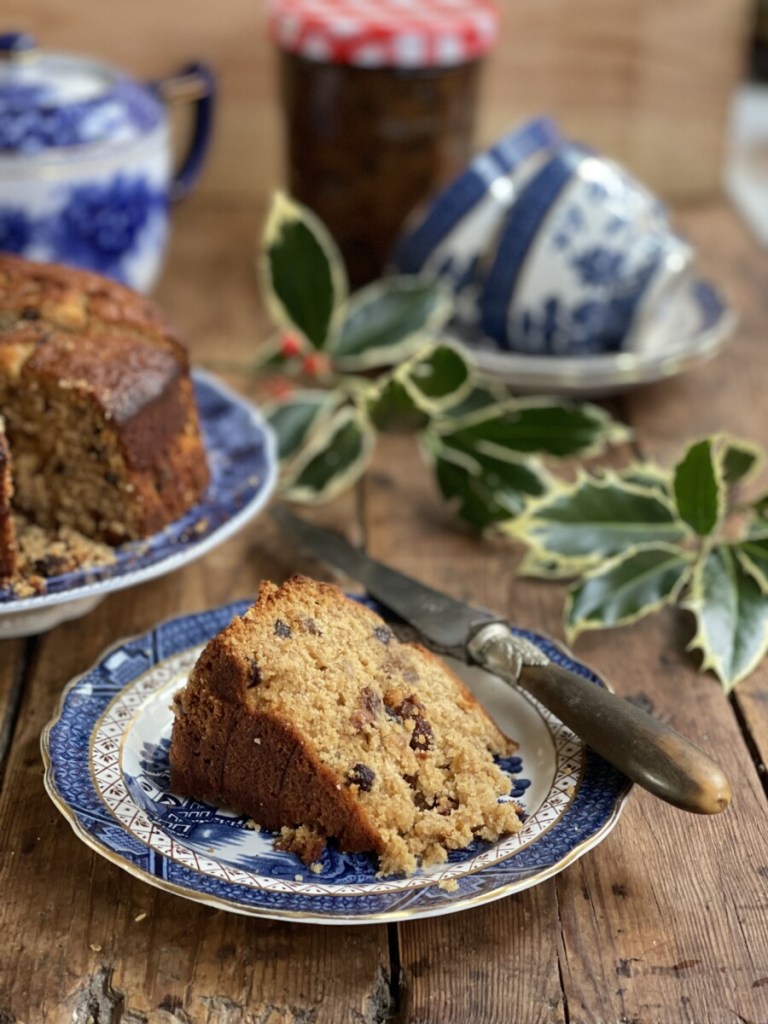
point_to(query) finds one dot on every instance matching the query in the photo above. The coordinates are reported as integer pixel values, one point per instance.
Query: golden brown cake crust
(78, 349)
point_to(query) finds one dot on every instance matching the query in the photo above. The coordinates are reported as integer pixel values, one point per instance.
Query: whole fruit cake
(308, 714)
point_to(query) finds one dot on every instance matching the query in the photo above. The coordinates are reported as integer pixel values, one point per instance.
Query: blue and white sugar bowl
(86, 174)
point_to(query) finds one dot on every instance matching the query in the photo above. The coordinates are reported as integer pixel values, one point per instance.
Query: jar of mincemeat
(380, 99)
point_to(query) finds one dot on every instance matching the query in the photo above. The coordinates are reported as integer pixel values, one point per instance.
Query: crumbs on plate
(46, 553)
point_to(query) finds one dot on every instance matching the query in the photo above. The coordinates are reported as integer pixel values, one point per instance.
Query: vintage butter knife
(649, 752)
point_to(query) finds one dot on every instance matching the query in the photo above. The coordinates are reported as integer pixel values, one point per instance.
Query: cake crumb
(257, 740)
(316, 868)
(307, 843)
(95, 947)
(252, 825)
(448, 885)
(141, 916)
(298, 878)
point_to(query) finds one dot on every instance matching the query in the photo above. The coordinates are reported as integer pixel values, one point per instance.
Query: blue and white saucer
(243, 464)
(106, 769)
(688, 332)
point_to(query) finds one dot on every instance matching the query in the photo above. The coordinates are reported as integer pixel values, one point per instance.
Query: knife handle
(646, 750)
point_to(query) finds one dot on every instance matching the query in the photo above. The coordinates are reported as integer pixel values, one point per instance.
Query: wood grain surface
(664, 922)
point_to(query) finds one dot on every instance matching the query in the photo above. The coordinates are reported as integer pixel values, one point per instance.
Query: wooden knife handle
(650, 753)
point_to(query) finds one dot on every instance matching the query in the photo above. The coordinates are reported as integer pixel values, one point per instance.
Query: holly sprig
(350, 367)
(642, 539)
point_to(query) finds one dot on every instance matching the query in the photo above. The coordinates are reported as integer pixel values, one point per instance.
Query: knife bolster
(496, 648)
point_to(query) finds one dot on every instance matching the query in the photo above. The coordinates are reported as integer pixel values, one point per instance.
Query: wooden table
(666, 921)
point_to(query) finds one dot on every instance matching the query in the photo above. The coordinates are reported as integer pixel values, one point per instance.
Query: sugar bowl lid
(57, 100)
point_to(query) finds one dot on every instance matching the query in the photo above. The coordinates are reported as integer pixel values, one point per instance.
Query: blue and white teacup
(584, 262)
(449, 235)
(86, 174)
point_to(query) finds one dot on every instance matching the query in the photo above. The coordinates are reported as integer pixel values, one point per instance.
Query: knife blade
(647, 751)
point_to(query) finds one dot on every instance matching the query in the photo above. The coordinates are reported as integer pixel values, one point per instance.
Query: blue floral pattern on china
(55, 101)
(581, 250)
(17, 229)
(106, 759)
(243, 468)
(448, 236)
(690, 331)
(97, 226)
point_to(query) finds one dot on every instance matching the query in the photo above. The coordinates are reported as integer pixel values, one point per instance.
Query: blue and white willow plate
(243, 464)
(106, 769)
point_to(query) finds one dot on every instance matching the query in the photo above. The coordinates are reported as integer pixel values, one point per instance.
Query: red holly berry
(280, 388)
(290, 345)
(315, 364)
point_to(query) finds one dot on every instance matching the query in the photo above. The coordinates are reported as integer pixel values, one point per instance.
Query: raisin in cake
(307, 714)
(98, 404)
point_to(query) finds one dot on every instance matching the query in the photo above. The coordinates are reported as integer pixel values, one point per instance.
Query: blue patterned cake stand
(106, 769)
(243, 464)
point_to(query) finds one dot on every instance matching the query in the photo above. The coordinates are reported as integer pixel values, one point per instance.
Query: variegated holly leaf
(740, 459)
(535, 426)
(439, 377)
(752, 553)
(594, 518)
(760, 507)
(394, 409)
(387, 321)
(699, 488)
(422, 387)
(477, 399)
(333, 460)
(486, 489)
(627, 587)
(294, 419)
(648, 475)
(302, 272)
(535, 566)
(731, 614)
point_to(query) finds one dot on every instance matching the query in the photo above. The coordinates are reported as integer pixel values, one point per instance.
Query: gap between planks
(14, 678)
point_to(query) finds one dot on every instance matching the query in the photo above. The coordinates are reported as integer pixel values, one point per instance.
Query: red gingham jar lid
(385, 33)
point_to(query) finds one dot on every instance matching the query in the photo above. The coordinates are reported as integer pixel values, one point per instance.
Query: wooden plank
(12, 660)
(80, 936)
(625, 80)
(491, 965)
(665, 921)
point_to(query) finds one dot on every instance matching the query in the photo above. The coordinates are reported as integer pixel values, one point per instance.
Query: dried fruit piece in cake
(307, 714)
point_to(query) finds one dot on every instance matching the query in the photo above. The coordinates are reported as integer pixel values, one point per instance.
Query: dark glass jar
(378, 119)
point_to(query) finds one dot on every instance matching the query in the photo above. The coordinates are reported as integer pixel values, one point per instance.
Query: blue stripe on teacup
(455, 201)
(521, 226)
(709, 302)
